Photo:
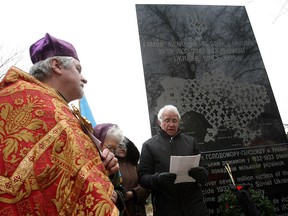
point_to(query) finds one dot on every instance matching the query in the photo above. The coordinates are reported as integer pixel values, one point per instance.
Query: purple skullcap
(49, 46)
(100, 131)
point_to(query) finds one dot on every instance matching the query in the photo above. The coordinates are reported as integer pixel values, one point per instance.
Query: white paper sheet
(180, 165)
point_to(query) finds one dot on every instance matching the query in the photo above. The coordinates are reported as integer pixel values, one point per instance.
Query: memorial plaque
(205, 60)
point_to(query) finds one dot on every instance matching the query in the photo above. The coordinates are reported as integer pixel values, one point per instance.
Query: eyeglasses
(110, 147)
(122, 146)
(167, 120)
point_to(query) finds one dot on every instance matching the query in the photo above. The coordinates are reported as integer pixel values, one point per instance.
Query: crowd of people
(54, 163)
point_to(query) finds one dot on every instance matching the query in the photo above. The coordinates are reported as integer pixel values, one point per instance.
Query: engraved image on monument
(205, 60)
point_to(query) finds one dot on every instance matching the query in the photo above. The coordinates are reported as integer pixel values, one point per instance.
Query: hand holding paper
(180, 165)
(166, 178)
(199, 174)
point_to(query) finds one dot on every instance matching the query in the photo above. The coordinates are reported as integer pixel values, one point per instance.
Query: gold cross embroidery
(86, 127)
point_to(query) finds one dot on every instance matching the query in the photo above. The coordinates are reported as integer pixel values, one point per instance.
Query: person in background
(110, 135)
(135, 196)
(168, 198)
(48, 165)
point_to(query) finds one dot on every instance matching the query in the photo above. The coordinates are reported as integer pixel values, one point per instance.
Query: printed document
(180, 165)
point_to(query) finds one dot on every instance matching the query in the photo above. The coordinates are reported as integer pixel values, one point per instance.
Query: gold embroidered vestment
(48, 165)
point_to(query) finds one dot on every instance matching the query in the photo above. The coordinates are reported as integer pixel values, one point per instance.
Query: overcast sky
(105, 34)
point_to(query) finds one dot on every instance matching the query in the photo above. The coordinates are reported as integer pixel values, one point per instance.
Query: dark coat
(186, 199)
(128, 169)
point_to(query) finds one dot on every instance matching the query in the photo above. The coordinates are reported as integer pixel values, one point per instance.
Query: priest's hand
(110, 161)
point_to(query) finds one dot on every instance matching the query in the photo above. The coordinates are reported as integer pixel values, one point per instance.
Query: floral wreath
(243, 200)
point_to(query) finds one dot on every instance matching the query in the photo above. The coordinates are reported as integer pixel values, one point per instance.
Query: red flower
(239, 187)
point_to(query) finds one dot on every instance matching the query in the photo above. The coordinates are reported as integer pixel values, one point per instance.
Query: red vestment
(48, 165)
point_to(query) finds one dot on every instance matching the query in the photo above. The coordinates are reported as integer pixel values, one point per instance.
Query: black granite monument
(205, 60)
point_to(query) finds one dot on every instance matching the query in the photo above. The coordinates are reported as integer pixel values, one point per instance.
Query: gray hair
(115, 133)
(169, 108)
(42, 70)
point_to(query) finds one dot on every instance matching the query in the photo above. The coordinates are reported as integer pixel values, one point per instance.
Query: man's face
(170, 122)
(73, 81)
